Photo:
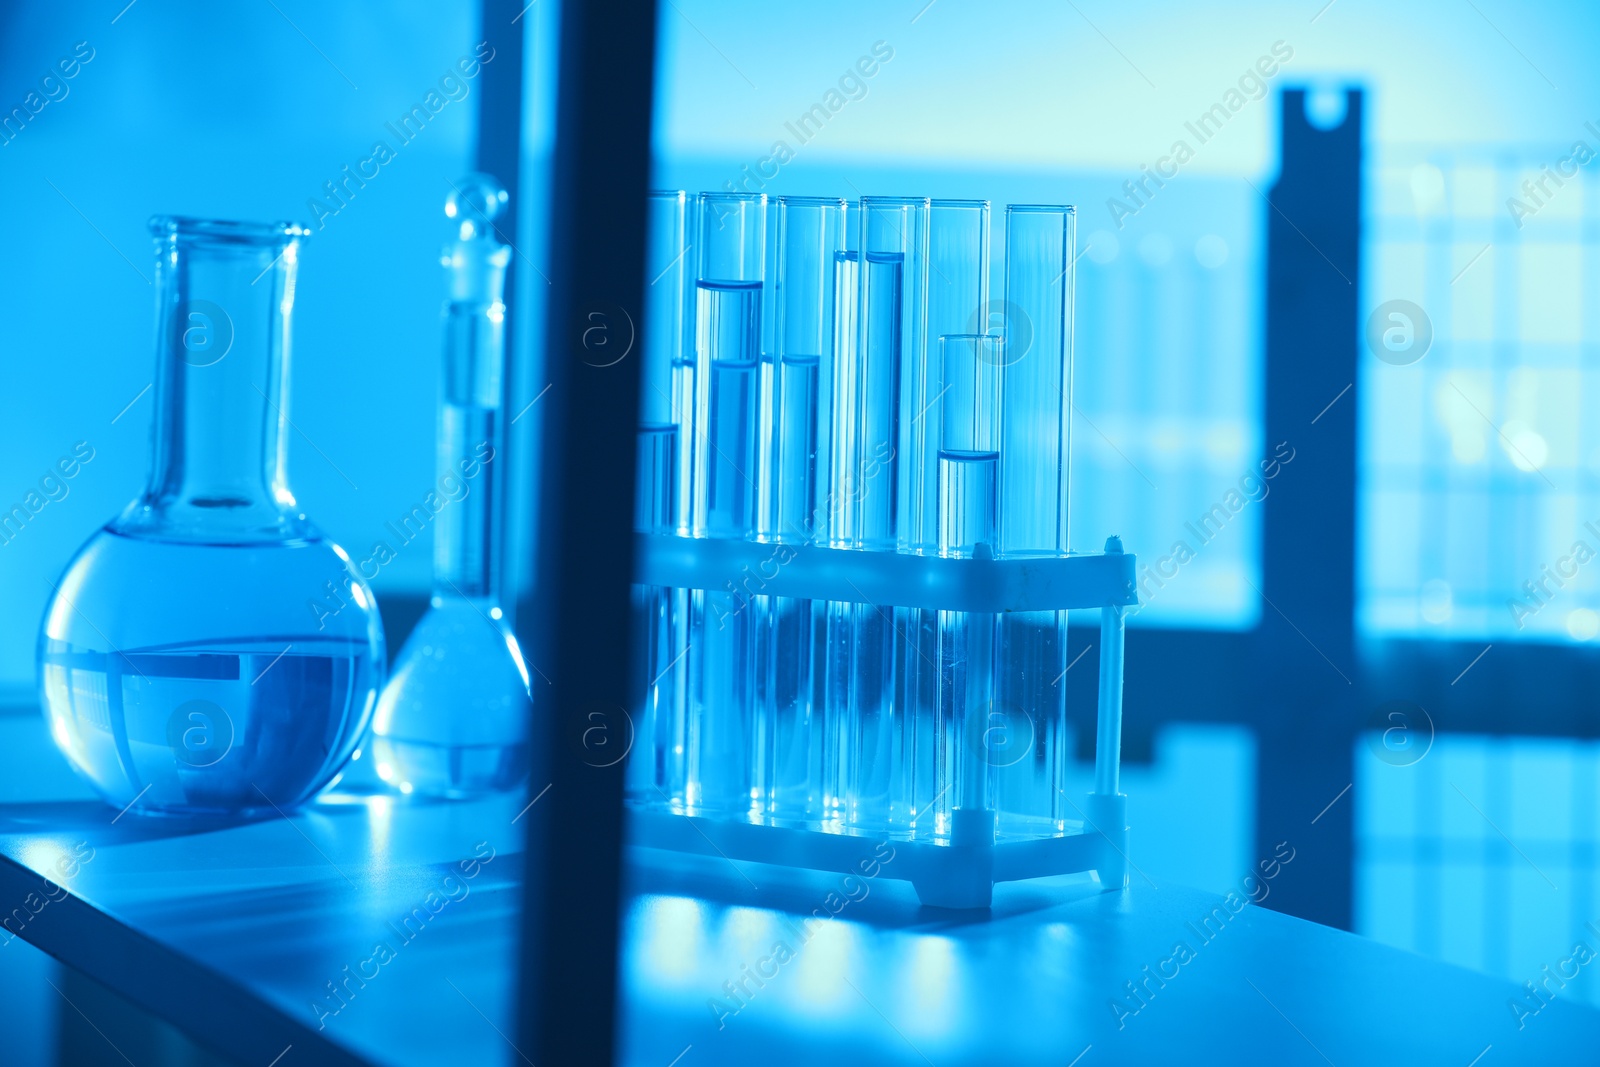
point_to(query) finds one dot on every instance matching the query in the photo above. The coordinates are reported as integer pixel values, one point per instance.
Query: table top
(371, 930)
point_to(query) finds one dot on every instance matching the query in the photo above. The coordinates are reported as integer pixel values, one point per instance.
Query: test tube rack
(831, 408)
(959, 872)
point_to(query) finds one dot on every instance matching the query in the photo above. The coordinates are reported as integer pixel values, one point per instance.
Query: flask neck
(471, 429)
(225, 292)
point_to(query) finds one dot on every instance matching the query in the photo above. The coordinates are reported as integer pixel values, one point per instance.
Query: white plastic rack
(959, 872)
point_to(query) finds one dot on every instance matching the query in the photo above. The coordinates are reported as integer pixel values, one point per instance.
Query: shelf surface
(232, 933)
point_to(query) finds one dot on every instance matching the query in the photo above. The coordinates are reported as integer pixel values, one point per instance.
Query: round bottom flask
(208, 651)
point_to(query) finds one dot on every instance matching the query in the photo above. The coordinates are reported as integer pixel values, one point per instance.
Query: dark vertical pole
(499, 152)
(584, 545)
(1306, 643)
(499, 134)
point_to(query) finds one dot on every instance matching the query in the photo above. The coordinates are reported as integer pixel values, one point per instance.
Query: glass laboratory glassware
(656, 772)
(967, 490)
(957, 288)
(805, 234)
(956, 303)
(454, 719)
(667, 390)
(878, 747)
(1029, 756)
(832, 661)
(208, 651)
(656, 764)
(728, 295)
(968, 495)
(1038, 377)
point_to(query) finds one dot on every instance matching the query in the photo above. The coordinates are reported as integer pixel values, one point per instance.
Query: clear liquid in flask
(209, 678)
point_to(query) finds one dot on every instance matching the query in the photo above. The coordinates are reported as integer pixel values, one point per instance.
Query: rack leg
(963, 875)
(1108, 740)
(1107, 807)
(1110, 817)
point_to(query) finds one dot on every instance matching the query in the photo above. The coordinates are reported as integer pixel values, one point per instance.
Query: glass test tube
(1037, 405)
(890, 359)
(833, 622)
(1038, 377)
(876, 751)
(843, 280)
(835, 512)
(957, 287)
(666, 394)
(723, 485)
(956, 302)
(968, 498)
(656, 770)
(805, 233)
